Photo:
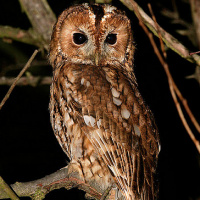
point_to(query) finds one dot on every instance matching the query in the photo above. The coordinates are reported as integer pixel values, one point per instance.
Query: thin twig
(17, 78)
(171, 82)
(180, 112)
(168, 39)
(182, 99)
(7, 189)
(158, 29)
(195, 52)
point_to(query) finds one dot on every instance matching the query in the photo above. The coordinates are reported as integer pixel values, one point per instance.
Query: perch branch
(17, 78)
(39, 188)
(169, 40)
(171, 82)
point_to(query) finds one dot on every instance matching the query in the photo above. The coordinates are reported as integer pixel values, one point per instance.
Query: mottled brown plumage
(97, 112)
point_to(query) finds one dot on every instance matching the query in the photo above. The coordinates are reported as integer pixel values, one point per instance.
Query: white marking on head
(91, 15)
(109, 8)
(137, 130)
(115, 93)
(104, 17)
(125, 113)
(117, 101)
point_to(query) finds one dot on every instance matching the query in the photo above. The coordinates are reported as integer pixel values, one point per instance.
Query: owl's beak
(96, 59)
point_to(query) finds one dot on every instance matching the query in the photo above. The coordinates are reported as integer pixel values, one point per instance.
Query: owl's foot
(111, 193)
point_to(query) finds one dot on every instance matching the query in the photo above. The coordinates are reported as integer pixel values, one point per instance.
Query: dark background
(28, 148)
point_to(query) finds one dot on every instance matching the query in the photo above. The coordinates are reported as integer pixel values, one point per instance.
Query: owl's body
(97, 112)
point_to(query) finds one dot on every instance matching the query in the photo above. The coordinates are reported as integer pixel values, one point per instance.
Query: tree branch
(169, 40)
(6, 191)
(17, 78)
(173, 87)
(195, 10)
(37, 189)
(28, 37)
(27, 80)
(41, 17)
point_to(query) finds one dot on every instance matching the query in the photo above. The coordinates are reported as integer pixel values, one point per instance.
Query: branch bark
(27, 80)
(173, 87)
(195, 10)
(41, 17)
(28, 37)
(6, 190)
(169, 40)
(65, 177)
(17, 78)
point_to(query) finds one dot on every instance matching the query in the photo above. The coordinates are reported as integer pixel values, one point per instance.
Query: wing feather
(124, 134)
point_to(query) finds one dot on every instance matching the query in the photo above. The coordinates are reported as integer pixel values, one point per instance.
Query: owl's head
(92, 34)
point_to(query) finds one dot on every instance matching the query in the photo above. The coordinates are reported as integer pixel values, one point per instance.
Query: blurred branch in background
(168, 39)
(17, 78)
(27, 80)
(17, 34)
(41, 17)
(195, 10)
(42, 20)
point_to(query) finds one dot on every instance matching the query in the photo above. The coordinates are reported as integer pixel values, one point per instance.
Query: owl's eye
(111, 38)
(79, 38)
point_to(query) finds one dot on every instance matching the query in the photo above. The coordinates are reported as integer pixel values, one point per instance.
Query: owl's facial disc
(94, 35)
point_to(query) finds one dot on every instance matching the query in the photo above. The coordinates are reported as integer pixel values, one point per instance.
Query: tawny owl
(97, 112)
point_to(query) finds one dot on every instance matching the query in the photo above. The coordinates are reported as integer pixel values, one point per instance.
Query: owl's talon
(109, 193)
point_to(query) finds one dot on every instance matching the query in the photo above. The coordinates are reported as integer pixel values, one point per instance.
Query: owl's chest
(85, 86)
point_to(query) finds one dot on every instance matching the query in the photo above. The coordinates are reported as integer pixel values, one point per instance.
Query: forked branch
(168, 39)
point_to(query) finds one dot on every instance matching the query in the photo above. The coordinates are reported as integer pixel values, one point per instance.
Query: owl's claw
(111, 193)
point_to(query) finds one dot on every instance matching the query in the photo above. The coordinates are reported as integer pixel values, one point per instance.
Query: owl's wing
(122, 130)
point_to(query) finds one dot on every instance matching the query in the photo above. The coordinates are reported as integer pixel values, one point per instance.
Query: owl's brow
(99, 13)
